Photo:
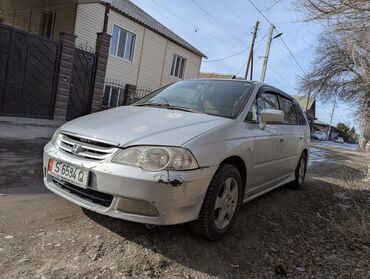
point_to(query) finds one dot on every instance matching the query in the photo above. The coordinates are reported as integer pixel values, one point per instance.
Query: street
(321, 231)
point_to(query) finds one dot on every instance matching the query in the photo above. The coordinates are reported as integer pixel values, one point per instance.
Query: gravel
(312, 233)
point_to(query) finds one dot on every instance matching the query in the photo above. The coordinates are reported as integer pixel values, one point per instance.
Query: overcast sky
(225, 27)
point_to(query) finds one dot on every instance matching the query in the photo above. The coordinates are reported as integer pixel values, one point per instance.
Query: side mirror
(271, 115)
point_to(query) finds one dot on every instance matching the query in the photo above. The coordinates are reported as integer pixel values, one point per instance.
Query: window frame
(261, 91)
(174, 65)
(133, 44)
(44, 23)
(299, 110)
(294, 109)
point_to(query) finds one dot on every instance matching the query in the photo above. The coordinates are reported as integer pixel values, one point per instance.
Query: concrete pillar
(130, 94)
(102, 52)
(66, 51)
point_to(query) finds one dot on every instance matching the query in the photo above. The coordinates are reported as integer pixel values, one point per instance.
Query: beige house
(143, 52)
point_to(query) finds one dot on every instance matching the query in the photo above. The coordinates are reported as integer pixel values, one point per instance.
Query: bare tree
(342, 65)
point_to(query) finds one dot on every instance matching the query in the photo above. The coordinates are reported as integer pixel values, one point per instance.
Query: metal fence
(117, 93)
(142, 91)
(114, 93)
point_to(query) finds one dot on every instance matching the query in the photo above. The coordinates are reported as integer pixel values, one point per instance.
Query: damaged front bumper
(131, 193)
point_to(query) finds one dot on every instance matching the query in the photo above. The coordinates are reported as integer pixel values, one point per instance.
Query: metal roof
(130, 10)
(305, 101)
(216, 75)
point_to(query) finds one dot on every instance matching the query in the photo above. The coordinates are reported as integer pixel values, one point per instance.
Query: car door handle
(301, 137)
(282, 139)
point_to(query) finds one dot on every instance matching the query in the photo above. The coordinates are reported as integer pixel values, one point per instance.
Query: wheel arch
(238, 162)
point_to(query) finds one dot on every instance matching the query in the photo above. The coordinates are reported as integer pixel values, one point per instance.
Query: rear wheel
(300, 172)
(221, 203)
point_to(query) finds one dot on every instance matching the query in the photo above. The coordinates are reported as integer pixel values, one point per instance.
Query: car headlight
(156, 158)
(55, 136)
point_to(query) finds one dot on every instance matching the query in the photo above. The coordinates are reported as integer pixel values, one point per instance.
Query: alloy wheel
(226, 203)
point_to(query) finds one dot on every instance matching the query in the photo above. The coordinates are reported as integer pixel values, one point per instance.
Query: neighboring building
(143, 52)
(308, 105)
(325, 127)
(216, 75)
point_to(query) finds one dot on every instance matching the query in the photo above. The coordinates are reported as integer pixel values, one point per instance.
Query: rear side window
(290, 116)
(300, 115)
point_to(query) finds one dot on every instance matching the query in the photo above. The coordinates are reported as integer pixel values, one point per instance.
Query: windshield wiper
(167, 106)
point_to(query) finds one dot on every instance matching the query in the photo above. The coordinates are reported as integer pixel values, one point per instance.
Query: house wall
(192, 67)
(89, 21)
(153, 53)
(118, 68)
(29, 18)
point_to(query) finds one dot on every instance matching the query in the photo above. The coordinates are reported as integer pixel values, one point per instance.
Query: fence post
(102, 51)
(130, 94)
(64, 74)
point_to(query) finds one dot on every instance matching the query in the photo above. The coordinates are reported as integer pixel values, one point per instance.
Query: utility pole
(331, 119)
(250, 57)
(267, 53)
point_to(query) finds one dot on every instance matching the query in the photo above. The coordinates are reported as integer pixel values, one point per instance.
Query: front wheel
(220, 204)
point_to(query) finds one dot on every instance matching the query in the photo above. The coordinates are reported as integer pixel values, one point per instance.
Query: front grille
(91, 195)
(85, 148)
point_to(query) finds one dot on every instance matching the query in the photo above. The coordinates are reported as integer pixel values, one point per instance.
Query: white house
(143, 52)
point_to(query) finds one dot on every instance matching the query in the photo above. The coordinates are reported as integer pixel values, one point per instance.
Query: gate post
(130, 94)
(102, 52)
(66, 51)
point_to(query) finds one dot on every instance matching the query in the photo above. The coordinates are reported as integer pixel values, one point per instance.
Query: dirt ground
(319, 232)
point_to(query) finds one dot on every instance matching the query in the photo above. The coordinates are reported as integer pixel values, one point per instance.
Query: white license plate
(68, 173)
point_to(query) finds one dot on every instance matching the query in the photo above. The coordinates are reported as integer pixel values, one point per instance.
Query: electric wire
(282, 40)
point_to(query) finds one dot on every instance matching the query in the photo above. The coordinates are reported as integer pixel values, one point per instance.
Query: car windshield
(216, 97)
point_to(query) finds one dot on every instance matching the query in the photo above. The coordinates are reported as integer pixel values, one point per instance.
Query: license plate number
(68, 173)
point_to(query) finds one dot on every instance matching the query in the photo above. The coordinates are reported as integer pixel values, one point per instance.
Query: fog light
(136, 207)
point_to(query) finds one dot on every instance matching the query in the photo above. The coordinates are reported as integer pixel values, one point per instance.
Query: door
(266, 144)
(80, 92)
(293, 134)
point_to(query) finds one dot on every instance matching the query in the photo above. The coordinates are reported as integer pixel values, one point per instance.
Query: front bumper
(177, 196)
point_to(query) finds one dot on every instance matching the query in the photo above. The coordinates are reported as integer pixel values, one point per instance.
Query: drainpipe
(106, 17)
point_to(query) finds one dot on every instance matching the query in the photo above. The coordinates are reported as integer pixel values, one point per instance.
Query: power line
(233, 11)
(291, 54)
(258, 10)
(259, 44)
(285, 45)
(216, 21)
(227, 57)
(237, 53)
(277, 73)
(196, 28)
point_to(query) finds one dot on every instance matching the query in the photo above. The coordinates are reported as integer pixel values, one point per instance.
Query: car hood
(133, 125)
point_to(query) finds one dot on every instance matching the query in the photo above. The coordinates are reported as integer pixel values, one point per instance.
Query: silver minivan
(193, 151)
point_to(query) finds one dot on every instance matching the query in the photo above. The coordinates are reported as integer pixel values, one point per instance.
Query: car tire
(221, 204)
(300, 172)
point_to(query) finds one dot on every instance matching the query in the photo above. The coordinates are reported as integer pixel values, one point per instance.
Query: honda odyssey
(193, 151)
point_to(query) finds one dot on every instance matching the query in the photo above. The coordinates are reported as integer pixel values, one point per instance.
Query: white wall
(89, 21)
(153, 53)
(30, 19)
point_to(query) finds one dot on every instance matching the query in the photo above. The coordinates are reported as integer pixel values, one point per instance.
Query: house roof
(305, 101)
(216, 75)
(133, 12)
(318, 122)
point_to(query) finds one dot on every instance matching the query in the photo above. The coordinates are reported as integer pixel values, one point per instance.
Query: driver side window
(266, 100)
